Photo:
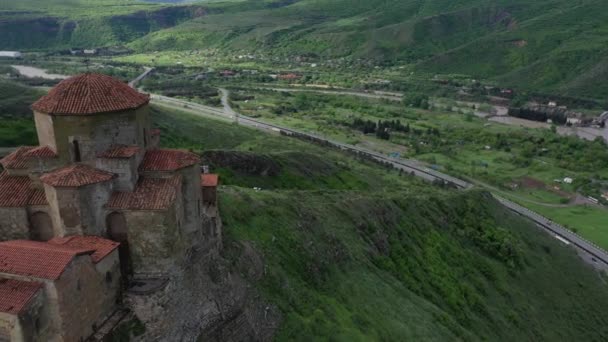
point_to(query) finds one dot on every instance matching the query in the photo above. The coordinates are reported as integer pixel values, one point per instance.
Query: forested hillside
(551, 45)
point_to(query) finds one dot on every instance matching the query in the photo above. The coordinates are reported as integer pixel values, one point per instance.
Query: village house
(97, 180)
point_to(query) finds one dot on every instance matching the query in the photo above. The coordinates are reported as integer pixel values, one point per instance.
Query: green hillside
(556, 46)
(353, 252)
(61, 24)
(550, 45)
(16, 122)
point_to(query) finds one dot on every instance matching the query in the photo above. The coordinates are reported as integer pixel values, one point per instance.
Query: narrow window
(145, 138)
(76, 151)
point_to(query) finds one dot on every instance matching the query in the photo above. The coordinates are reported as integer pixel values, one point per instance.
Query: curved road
(592, 253)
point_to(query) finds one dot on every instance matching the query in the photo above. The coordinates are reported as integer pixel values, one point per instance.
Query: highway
(598, 255)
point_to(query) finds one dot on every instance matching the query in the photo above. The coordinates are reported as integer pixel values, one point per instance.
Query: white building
(568, 180)
(10, 54)
(573, 121)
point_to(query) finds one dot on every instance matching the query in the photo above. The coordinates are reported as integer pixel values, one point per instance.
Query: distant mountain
(551, 45)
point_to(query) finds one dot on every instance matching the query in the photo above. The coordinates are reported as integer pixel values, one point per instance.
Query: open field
(330, 249)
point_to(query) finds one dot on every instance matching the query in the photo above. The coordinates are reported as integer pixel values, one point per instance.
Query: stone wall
(92, 201)
(155, 239)
(96, 133)
(78, 211)
(45, 130)
(35, 321)
(124, 168)
(85, 298)
(14, 224)
(10, 328)
(192, 201)
(206, 300)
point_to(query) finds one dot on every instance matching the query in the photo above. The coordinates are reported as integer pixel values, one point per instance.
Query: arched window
(76, 148)
(117, 226)
(41, 227)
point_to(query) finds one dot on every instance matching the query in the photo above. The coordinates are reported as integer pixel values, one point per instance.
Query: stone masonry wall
(10, 328)
(124, 168)
(155, 241)
(85, 298)
(92, 200)
(44, 128)
(192, 201)
(36, 321)
(96, 133)
(78, 211)
(13, 224)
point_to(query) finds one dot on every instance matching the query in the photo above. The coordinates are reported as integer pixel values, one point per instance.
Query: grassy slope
(563, 41)
(549, 45)
(16, 124)
(383, 257)
(61, 24)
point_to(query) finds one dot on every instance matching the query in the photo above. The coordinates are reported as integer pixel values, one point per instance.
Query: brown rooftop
(16, 294)
(37, 259)
(168, 160)
(41, 152)
(76, 175)
(15, 191)
(209, 179)
(149, 194)
(17, 159)
(103, 247)
(90, 94)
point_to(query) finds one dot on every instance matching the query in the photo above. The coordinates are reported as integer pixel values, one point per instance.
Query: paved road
(371, 95)
(145, 74)
(597, 252)
(598, 255)
(409, 166)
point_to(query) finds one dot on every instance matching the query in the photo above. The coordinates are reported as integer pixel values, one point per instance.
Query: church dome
(90, 94)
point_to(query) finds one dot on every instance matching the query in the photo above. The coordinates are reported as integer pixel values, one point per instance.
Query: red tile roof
(76, 175)
(37, 197)
(103, 247)
(37, 259)
(119, 151)
(149, 194)
(41, 152)
(17, 159)
(90, 94)
(209, 179)
(168, 160)
(15, 191)
(16, 294)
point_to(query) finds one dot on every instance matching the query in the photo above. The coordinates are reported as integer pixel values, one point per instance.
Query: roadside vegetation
(363, 253)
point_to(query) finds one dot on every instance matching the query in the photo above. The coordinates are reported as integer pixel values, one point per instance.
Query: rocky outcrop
(208, 298)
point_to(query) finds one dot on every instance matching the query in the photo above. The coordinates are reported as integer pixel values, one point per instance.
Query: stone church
(96, 201)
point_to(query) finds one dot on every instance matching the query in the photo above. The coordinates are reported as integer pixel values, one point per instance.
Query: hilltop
(555, 46)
